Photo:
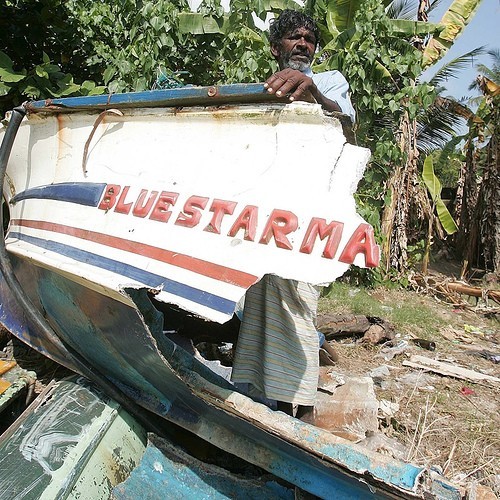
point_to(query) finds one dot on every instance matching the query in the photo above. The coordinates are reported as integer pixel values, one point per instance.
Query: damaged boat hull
(111, 210)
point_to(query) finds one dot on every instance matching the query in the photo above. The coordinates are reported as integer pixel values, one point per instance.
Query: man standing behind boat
(277, 350)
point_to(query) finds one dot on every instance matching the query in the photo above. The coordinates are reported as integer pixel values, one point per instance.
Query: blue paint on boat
(183, 96)
(81, 193)
(165, 468)
(128, 345)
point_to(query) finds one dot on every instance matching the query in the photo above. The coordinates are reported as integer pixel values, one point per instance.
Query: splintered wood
(449, 370)
(452, 291)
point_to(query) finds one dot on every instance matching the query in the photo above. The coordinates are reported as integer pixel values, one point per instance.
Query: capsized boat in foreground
(120, 204)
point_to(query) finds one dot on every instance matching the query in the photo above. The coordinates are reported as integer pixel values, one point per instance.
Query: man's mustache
(299, 52)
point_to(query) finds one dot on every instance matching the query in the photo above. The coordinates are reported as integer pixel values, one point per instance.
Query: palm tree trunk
(467, 196)
(396, 215)
(489, 203)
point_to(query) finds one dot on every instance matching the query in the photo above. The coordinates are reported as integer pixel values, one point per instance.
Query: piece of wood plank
(474, 291)
(4, 385)
(448, 369)
(5, 366)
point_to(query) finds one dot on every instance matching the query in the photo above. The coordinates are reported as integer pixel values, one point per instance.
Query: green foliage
(36, 38)
(42, 80)
(133, 40)
(448, 162)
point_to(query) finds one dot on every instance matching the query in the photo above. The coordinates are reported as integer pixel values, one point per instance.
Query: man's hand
(300, 86)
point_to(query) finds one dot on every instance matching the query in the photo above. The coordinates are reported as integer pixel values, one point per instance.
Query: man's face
(296, 49)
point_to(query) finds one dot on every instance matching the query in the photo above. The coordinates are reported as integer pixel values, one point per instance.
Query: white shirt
(334, 86)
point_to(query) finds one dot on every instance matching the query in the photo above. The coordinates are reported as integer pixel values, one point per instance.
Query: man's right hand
(291, 81)
(300, 87)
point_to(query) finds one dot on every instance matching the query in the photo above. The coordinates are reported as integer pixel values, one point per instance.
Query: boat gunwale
(177, 97)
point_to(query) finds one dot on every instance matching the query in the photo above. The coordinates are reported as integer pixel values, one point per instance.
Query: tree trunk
(409, 201)
(489, 203)
(467, 196)
(478, 239)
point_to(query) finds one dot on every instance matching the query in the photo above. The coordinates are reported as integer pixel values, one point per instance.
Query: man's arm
(300, 86)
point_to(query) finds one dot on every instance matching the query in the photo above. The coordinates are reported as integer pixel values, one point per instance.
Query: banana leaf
(410, 28)
(453, 22)
(434, 187)
(340, 13)
(197, 24)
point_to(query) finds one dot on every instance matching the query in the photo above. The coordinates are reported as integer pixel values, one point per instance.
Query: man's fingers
(301, 91)
(274, 83)
(288, 81)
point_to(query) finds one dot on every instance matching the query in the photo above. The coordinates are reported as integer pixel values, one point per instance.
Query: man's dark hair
(288, 21)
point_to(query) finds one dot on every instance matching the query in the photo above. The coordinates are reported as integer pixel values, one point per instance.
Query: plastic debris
(467, 391)
(425, 344)
(387, 353)
(349, 412)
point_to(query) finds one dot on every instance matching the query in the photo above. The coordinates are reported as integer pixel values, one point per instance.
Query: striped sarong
(277, 349)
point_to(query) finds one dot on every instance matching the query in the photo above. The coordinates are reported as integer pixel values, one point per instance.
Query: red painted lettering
(191, 215)
(279, 224)
(317, 227)
(362, 241)
(121, 206)
(220, 208)
(161, 210)
(142, 209)
(247, 220)
(109, 199)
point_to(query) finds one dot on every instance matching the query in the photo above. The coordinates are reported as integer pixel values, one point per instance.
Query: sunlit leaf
(434, 187)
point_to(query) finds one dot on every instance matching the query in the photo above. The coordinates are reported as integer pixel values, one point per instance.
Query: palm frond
(493, 72)
(449, 148)
(495, 54)
(440, 123)
(402, 9)
(451, 69)
(434, 4)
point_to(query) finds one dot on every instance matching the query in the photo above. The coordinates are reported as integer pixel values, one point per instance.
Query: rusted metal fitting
(212, 91)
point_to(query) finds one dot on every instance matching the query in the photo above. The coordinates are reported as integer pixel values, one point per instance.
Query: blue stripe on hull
(152, 280)
(82, 193)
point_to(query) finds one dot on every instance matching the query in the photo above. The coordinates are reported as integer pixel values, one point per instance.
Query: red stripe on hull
(199, 266)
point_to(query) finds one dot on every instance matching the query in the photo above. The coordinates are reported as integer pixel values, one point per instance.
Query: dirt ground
(446, 422)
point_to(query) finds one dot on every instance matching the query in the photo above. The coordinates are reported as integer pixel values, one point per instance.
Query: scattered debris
(328, 353)
(325, 359)
(477, 491)
(454, 335)
(419, 380)
(467, 391)
(380, 375)
(448, 369)
(342, 325)
(494, 357)
(372, 328)
(329, 380)
(387, 353)
(425, 344)
(385, 445)
(452, 291)
(387, 408)
(376, 334)
(349, 411)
